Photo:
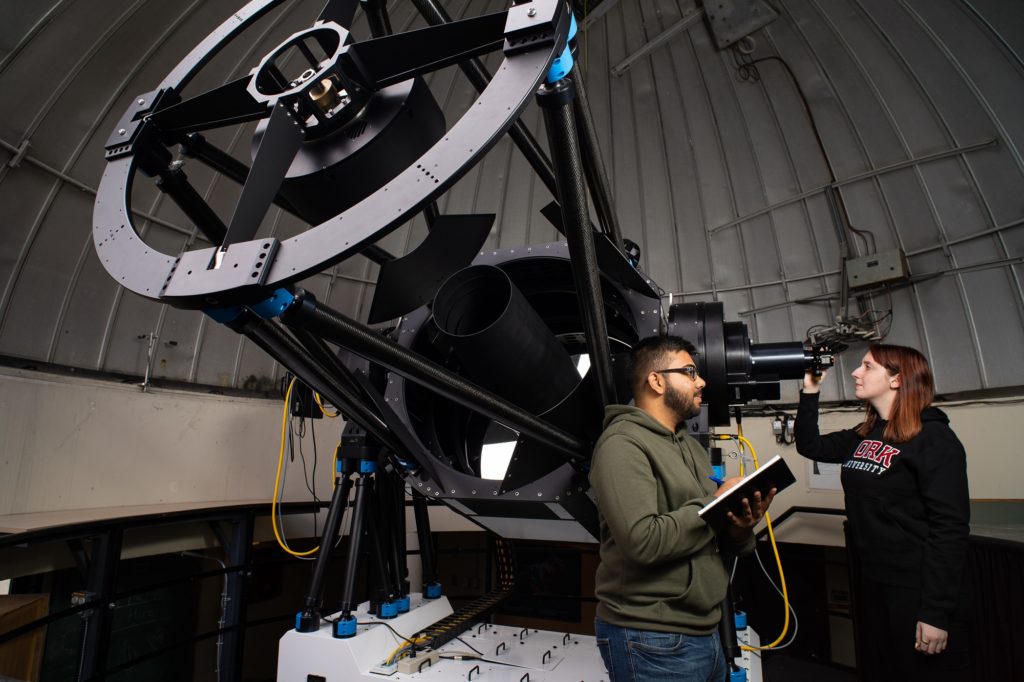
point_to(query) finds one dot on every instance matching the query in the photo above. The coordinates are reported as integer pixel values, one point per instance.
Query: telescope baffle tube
(501, 341)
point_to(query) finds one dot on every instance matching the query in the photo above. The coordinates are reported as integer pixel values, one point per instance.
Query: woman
(904, 473)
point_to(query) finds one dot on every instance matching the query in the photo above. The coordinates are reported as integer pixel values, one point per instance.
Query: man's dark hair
(651, 354)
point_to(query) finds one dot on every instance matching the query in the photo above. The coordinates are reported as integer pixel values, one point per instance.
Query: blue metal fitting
(275, 305)
(562, 65)
(741, 620)
(344, 627)
(224, 315)
(719, 470)
(403, 604)
(738, 675)
(432, 591)
(367, 466)
(387, 609)
(307, 621)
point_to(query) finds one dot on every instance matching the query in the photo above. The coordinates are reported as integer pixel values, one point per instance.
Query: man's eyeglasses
(689, 370)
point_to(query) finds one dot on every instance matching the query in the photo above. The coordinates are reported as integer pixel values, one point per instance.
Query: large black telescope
(494, 359)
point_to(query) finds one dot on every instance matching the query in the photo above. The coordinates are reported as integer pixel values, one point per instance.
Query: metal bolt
(141, 101)
(532, 12)
(121, 131)
(517, 493)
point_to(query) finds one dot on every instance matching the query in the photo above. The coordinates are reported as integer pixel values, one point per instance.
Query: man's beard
(684, 406)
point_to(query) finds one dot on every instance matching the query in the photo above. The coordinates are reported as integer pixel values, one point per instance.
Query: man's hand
(741, 525)
(812, 384)
(930, 639)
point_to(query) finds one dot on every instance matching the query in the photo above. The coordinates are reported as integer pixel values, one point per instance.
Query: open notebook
(774, 473)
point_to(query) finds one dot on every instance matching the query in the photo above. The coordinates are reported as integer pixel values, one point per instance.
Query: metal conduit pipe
(368, 343)
(320, 352)
(275, 342)
(593, 165)
(556, 101)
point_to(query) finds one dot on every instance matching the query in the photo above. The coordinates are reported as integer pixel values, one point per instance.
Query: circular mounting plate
(248, 271)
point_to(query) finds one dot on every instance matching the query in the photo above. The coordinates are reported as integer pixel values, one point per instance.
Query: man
(661, 579)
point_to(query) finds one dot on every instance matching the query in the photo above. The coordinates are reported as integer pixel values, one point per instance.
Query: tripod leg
(308, 620)
(384, 603)
(396, 505)
(345, 626)
(431, 586)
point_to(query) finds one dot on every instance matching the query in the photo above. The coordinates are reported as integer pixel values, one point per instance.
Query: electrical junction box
(878, 268)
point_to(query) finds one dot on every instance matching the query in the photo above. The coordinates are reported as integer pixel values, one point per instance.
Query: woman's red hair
(916, 392)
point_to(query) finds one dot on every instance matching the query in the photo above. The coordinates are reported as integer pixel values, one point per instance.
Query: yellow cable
(277, 480)
(785, 593)
(319, 402)
(771, 536)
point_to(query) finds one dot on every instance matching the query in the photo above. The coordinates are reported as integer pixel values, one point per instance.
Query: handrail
(84, 529)
(786, 515)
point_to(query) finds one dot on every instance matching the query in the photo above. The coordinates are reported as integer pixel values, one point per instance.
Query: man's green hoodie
(660, 565)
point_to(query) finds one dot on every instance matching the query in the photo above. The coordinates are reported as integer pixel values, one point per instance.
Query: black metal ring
(149, 273)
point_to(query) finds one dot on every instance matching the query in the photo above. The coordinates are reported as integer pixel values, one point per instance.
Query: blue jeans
(642, 655)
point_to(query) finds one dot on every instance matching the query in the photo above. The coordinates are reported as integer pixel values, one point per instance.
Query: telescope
(483, 384)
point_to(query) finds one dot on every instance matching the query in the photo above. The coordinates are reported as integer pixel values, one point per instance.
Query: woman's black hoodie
(907, 503)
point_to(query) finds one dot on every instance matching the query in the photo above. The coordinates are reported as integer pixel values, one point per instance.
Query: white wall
(69, 443)
(992, 435)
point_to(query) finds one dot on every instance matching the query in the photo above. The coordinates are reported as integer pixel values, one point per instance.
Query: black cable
(380, 622)
(316, 500)
(305, 474)
(470, 646)
(461, 657)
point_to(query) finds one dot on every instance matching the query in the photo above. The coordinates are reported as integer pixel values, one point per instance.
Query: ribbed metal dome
(716, 170)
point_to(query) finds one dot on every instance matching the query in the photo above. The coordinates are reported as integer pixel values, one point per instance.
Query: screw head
(532, 12)
(121, 131)
(141, 101)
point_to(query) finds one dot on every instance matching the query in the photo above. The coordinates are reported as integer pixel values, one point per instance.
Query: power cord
(775, 548)
(274, 506)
